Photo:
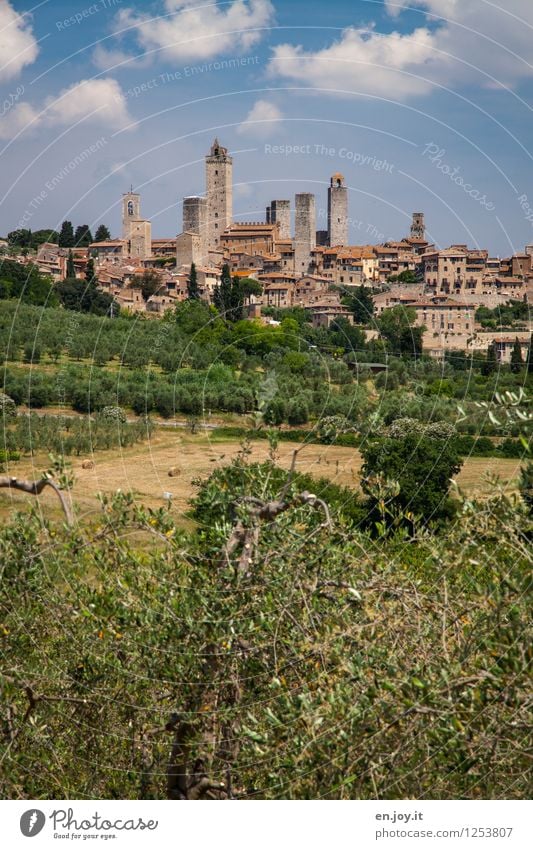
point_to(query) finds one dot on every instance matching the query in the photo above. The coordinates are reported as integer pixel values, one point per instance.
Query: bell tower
(131, 212)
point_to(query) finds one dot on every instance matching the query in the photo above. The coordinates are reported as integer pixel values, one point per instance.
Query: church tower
(219, 182)
(131, 212)
(136, 231)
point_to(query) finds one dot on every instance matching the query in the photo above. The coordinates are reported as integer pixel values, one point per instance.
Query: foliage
(361, 304)
(83, 236)
(193, 292)
(84, 296)
(397, 327)
(28, 239)
(421, 459)
(25, 284)
(149, 283)
(102, 234)
(517, 361)
(66, 235)
(294, 677)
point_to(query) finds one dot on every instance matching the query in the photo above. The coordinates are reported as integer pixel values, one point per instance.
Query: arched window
(130, 207)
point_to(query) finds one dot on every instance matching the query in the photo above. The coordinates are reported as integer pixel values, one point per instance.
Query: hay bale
(87, 465)
(174, 472)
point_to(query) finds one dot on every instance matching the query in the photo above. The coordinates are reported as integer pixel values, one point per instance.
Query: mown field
(143, 469)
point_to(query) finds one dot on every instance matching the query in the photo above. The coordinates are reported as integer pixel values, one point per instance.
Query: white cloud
(18, 46)
(442, 8)
(105, 60)
(477, 42)
(198, 29)
(100, 101)
(261, 119)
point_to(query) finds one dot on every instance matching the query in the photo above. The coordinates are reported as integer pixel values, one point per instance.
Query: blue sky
(423, 106)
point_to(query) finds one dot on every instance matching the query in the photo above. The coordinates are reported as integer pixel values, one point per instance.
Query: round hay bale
(174, 472)
(87, 465)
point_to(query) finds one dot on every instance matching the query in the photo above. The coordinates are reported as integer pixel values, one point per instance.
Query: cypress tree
(71, 269)
(193, 293)
(517, 361)
(102, 234)
(491, 363)
(66, 236)
(90, 273)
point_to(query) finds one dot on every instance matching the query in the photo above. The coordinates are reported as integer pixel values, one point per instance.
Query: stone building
(418, 226)
(337, 211)
(136, 231)
(250, 237)
(279, 212)
(195, 221)
(219, 183)
(305, 232)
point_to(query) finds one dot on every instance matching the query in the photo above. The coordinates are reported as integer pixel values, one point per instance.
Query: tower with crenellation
(219, 184)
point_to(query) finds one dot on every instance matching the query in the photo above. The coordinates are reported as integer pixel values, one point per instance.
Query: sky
(423, 106)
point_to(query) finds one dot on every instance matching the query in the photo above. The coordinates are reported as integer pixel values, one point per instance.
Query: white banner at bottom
(309, 824)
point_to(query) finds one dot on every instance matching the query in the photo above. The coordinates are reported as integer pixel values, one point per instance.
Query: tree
(149, 283)
(193, 293)
(26, 283)
(361, 303)
(397, 327)
(406, 276)
(71, 268)
(491, 362)
(90, 273)
(19, 238)
(83, 236)
(66, 236)
(530, 356)
(420, 459)
(83, 296)
(102, 234)
(517, 360)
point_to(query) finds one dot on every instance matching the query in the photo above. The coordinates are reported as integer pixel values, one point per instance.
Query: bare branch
(36, 488)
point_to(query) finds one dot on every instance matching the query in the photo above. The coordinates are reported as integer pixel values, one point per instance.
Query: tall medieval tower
(305, 232)
(131, 212)
(418, 227)
(337, 211)
(219, 182)
(136, 231)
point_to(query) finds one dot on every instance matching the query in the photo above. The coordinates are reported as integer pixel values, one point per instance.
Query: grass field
(143, 469)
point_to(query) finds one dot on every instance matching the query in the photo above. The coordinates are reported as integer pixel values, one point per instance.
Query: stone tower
(305, 232)
(418, 227)
(195, 221)
(279, 211)
(136, 231)
(131, 212)
(219, 182)
(338, 211)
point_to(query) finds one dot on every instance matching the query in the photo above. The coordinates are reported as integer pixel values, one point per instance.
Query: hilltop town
(308, 268)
